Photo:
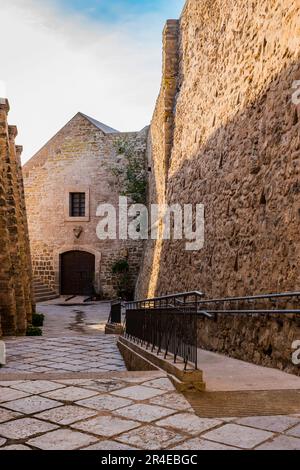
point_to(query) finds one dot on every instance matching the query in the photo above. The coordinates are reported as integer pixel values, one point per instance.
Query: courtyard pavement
(70, 390)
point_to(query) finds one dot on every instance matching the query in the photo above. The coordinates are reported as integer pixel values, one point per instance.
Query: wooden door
(77, 273)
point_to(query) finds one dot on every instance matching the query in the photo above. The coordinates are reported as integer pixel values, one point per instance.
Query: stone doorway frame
(56, 263)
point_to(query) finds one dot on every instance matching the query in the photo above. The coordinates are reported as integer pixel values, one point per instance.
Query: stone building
(64, 184)
(16, 294)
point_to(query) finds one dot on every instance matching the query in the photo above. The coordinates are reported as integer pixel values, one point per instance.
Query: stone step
(42, 292)
(43, 298)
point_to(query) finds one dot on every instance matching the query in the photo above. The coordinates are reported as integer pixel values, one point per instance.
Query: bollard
(2, 354)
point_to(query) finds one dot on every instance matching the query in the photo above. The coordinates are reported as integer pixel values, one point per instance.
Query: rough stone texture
(239, 436)
(235, 149)
(16, 294)
(79, 158)
(62, 439)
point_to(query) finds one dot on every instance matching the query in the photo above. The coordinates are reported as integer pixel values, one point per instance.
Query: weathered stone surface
(269, 423)
(202, 444)
(67, 414)
(16, 295)
(238, 436)
(2, 441)
(7, 394)
(24, 428)
(70, 394)
(281, 443)
(79, 158)
(138, 392)
(104, 402)
(163, 384)
(37, 386)
(109, 445)
(172, 400)
(228, 138)
(106, 426)
(15, 447)
(62, 439)
(143, 412)
(151, 437)
(32, 404)
(189, 422)
(294, 431)
(6, 415)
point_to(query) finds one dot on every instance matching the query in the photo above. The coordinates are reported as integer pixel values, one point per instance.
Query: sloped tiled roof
(103, 127)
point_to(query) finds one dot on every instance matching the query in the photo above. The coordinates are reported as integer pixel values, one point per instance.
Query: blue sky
(100, 57)
(118, 10)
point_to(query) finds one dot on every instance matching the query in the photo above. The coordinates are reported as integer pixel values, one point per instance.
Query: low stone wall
(264, 340)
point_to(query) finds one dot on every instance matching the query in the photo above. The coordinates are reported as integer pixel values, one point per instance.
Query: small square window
(77, 204)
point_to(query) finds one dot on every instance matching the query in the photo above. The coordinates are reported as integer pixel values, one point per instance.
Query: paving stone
(105, 402)
(294, 431)
(32, 404)
(106, 426)
(110, 445)
(151, 438)
(281, 443)
(105, 385)
(24, 427)
(144, 413)
(238, 436)
(7, 415)
(9, 383)
(172, 400)
(163, 384)
(62, 439)
(70, 394)
(65, 415)
(2, 441)
(42, 370)
(269, 423)
(138, 392)
(189, 422)
(15, 447)
(9, 394)
(37, 386)
(202, 444)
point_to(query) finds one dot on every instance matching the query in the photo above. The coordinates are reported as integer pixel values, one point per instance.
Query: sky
(100, 57)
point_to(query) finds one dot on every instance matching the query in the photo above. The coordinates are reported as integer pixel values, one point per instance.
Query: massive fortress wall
(16, 295)
(226, 133)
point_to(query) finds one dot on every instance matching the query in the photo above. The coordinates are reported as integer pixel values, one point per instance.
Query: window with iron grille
(77, 204)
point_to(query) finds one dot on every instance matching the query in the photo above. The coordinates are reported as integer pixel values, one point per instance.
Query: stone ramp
(237, 388)
(222, 373)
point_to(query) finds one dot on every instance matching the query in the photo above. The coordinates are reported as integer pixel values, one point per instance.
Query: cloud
(57, 63)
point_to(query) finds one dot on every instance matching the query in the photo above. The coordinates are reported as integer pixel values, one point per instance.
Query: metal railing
(168, 324)
(115, 315)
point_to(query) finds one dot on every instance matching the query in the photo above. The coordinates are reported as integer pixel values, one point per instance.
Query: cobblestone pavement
(126, 411)
(72, 391)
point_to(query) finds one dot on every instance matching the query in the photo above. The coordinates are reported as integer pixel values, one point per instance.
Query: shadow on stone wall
(247, 176)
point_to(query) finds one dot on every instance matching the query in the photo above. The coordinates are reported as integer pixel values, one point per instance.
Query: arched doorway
(77, 273)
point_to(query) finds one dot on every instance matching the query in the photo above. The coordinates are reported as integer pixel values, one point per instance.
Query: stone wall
(264, 340)
(80, 157)
(235, 149)
(16, 294)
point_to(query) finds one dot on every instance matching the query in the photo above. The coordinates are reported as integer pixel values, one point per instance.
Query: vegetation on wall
(131, 178)
(122, 281)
